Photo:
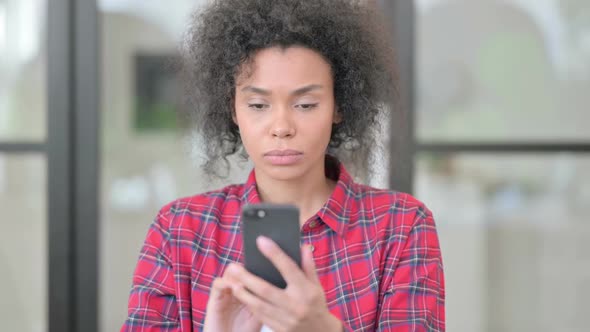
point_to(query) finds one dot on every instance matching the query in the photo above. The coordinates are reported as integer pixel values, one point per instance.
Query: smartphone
(277, 222)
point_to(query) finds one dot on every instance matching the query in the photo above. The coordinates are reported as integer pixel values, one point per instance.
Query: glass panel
(23, 243)
(514, 232)
(22, 70)
(487, 70)
(146, 160)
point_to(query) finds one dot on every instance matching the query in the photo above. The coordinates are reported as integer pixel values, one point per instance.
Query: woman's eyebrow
(254, 89)
(300, 91)
(306, 89)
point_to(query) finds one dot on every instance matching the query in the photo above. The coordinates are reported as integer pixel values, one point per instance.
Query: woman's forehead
(292, 66)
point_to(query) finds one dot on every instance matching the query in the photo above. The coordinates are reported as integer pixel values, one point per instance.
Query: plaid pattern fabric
(376, 251)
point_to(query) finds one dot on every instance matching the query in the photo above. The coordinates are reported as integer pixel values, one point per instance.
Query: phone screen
(277, 222)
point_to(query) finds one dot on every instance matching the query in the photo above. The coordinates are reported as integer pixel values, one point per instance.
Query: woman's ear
(337, 116)
(233, 116)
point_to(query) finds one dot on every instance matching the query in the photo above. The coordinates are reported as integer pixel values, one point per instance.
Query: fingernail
(264, 241)
(232, 267)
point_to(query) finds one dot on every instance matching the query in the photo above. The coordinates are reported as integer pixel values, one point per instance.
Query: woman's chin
(283, 173)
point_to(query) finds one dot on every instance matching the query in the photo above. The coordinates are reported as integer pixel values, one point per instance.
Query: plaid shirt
(376, 252)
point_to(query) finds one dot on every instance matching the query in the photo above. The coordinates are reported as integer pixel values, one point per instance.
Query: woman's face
(285, 110)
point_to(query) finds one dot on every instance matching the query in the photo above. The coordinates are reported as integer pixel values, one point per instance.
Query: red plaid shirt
(376, 252)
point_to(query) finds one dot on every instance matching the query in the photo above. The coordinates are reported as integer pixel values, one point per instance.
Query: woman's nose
(282, 126)
(282, 132)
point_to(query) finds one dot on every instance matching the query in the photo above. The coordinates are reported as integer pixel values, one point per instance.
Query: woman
(295, 83)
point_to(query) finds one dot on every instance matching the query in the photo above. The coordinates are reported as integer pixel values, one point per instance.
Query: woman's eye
(257, 107)
(307, 106)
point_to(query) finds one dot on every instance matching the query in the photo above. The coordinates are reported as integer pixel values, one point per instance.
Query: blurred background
(497, 94)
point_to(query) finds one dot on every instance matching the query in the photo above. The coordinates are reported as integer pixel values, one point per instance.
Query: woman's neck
(309, 193)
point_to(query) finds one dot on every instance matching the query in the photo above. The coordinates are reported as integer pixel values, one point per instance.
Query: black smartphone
(277, 222)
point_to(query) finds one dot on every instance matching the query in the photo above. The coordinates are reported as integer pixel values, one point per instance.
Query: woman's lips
(283, 157)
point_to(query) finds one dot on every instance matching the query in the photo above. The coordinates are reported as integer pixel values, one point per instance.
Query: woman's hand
(225, 313)
(299, 307)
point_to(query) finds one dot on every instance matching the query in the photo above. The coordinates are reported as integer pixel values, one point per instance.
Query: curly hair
(225, 35)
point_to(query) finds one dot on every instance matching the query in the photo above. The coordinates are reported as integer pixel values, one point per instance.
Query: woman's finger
(290, 271)
(219, 288)
(258, 286)
(265, 312)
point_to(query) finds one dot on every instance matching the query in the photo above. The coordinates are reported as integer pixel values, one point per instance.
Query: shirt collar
(336, 212)
(250, 195)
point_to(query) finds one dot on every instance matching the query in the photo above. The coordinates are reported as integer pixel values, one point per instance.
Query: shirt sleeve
(414, 296)
(152, 302)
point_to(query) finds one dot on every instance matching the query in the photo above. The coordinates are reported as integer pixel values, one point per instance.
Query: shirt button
(312, 248)
(313, 224)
